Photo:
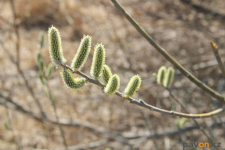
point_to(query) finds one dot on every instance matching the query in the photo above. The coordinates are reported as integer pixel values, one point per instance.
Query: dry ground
(182, 30)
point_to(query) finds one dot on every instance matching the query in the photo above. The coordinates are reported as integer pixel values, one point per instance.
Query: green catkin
(161, 74)
(55, 48)
(82, 53)
(70, 82)
(168, 80)
(106, 74)
(113, 85)
(132, 87)
(98, 61)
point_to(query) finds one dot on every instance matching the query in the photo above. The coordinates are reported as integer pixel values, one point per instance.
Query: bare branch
(168, 56)
(144, 104)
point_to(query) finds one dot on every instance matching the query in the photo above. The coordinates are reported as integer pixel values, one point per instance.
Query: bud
(98, 61)
(55, 48)
(70, 82)
(168, 80)
(82, 53)
(41, 40)
(113, 85)
(106, 74)
(161, 74)
(133, 86)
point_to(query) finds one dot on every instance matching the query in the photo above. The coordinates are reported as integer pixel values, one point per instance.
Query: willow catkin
(168, 80)
(70, 81)
(161, 74)
(113, 85)
(106, 74)
(55, 48)
(82, 53)
(98, 61)
(132, 87)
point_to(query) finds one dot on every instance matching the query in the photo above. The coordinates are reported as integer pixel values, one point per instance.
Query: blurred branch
(145, 105)
(203, 9)
(63, 122)
(91, 145)
(16, 28)
(29, 88)
(183, 107)
(218, 57)
(168, 56)
(134, 137)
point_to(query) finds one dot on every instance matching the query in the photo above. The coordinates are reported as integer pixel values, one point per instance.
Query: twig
(29, 88)
(16, 28)
(64, 122)
(11, 127)
(218, 57)
(168, 56)
(183, 107)
(57, 117)
(127, 135)
(91, 145)
(145, 105)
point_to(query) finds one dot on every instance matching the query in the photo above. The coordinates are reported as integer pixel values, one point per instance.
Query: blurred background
(90, 119)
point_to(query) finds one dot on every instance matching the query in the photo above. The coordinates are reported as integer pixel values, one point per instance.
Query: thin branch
(91, 145)
(218, 57)
(57, 117)
(29, 88)
(168, 56)
(64, 122)
(183, 107)
(144, 104)
(126, 135)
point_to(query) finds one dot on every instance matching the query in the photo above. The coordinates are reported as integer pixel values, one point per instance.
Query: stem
(183, 107)
(218, 57)
(144, 104)
(168, 56)
(57, 118)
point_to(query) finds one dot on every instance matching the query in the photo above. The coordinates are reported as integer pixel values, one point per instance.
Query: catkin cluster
(98, 68)
(165, 76)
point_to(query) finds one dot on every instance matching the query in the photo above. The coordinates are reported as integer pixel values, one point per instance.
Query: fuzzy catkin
(82, 53)
(132, 87)
(70, 81)
(106, 74)
(98, 61)
(168, 80)
(161, 75)
(113, 85)
(55, 48)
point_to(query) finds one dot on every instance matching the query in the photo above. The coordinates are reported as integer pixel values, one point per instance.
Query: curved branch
(168, 56)
(145, 105)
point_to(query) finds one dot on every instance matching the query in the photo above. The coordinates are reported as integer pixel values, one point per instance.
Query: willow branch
(144, 104)
(183, 107)
(218, 57)
(168, 56)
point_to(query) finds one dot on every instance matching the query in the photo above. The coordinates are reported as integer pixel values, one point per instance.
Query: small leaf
(41, 40)
(7, 125)
(42, 79)
(181, 122)
(40, 62)
(49, 71)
